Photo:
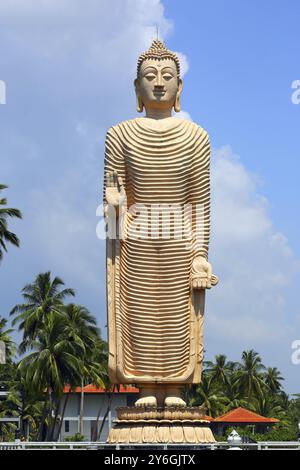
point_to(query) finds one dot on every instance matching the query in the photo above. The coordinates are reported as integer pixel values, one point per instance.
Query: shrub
(76, 438)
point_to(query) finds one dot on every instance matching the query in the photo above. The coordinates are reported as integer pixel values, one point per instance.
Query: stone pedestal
(168, 425)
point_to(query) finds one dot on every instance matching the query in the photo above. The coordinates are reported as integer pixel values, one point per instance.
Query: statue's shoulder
(201, 132)
(120, 125)
(120, 129)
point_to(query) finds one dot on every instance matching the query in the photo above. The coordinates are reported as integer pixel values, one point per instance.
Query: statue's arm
(114, 170)
(201, 274)
(200, 194)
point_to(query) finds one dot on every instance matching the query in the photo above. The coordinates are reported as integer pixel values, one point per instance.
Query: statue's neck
(158, 114)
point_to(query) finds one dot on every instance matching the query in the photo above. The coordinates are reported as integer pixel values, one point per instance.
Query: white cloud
(183, 115)
(253, 260)
(184, 64)
(88, 42)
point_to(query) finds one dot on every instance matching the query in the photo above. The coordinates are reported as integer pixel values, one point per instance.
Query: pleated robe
(155, 320)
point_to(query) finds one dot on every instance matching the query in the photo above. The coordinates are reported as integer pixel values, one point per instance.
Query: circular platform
(146, 425)
(169, 413)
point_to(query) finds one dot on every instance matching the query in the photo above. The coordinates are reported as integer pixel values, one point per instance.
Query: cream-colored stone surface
(161, 433)
(136, 425)
(156, 286)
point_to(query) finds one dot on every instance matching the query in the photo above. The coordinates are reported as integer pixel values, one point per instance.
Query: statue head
(158, 84)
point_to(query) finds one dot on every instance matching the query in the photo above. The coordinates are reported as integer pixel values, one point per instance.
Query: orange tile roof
(208, 418)
(241, 415)
(93, 389)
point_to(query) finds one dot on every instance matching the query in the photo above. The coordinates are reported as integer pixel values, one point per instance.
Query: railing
(159, 447)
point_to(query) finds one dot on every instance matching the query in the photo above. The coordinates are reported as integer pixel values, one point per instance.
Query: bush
(279, 433)
(283, 433)
(76, 438)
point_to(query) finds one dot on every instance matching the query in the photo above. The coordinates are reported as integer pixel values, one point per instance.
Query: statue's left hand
(201, 274)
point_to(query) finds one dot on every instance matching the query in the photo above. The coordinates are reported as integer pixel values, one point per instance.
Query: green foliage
(227, 385)
(5, 337)
(7, 432)
(61, 345)
(76, 438)
(7, 213)
(278, 433)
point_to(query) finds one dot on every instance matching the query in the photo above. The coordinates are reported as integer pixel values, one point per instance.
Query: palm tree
(44, 298)
(220, 370)
(232, 394)
(56, 360)
(81, 327)
(249, 377)
(5, 213)
(101, 380)
(268, 406)
(272, 378)
(293, 408)
(66, 346)
(5, 338)
(20, 403)
(208, 397)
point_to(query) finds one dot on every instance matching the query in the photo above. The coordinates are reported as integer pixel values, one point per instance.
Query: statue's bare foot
(174, 401)
(146, 401)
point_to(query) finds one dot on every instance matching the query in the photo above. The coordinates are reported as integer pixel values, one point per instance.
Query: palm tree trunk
(42, 421)
(81, 409)
(62, 415)
(22, 423)
(97, 422)
(110, 399)
(49, 414)
(55, 419)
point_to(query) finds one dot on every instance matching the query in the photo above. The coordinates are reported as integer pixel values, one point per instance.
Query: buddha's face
(158, 84)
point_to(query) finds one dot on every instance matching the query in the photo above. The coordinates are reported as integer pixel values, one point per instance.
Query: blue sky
(68, 68)
(243, 58)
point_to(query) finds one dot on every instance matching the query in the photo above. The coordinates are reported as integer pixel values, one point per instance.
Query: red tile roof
(93, 389)
(241, 415)
(208, 418)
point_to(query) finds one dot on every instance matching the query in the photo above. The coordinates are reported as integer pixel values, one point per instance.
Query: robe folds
(155, 320)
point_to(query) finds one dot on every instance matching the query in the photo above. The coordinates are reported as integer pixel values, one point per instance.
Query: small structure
(241, 417)
(234, 439)
(96, 406)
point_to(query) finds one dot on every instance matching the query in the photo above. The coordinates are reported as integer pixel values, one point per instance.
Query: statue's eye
(167, 76)
(150, 76)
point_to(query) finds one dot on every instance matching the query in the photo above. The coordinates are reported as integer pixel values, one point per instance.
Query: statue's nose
(159, 82)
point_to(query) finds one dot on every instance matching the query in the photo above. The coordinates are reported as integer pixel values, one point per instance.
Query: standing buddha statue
(156, 284)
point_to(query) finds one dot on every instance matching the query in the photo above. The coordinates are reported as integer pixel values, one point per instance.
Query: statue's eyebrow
(168, 69)
(149, 67)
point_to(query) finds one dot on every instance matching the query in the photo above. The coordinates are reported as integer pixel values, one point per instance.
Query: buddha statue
(155, 283)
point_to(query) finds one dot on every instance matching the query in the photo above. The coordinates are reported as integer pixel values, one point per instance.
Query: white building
(95, 404)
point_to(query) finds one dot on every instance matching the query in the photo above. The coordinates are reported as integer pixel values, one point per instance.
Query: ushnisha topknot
(158, 51)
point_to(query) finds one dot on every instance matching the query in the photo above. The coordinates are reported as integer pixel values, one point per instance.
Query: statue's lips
(159, 92)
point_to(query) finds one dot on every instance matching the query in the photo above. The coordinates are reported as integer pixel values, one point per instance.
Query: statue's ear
(139, 103)
(177, 99)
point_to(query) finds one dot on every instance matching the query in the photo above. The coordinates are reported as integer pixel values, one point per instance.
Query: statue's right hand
(114, 192)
